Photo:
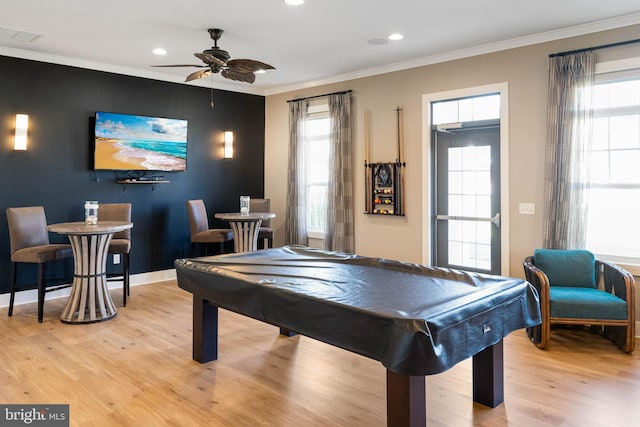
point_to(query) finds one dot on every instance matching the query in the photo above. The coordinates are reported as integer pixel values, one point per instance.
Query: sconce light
(228, 144)
(20, 132)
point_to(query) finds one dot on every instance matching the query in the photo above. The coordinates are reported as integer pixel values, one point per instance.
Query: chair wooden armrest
(540, 282)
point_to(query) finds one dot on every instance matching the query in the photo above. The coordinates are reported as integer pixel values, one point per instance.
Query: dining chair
(199, 226)
(265, 232)
(29, 242)
(120, 242)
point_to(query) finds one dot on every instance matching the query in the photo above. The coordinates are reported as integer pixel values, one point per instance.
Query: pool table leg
(406, 400)
(488, 376)
(205, 330)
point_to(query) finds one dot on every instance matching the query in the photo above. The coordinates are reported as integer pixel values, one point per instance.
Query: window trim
(632, 265)
(316, 110)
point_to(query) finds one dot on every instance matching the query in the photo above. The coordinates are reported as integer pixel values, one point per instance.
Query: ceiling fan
(217, 60)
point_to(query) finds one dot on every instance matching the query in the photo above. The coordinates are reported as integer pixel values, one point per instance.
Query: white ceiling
(320, 42)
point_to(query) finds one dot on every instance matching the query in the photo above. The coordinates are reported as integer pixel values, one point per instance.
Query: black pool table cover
(414, 319)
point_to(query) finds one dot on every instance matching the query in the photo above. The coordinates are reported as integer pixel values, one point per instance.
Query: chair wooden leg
(12, 298)
(125, 279)
(620, 336)
(41, 292)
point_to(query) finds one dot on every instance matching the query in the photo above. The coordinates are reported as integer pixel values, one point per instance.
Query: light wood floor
(136, 369)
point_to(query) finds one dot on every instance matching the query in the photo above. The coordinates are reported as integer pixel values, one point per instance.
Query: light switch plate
(527, 208)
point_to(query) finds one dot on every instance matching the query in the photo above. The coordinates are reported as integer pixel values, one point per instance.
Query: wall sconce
(228, 144)
(20, 132)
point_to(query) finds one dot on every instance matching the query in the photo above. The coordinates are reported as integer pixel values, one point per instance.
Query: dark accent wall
(55, 171)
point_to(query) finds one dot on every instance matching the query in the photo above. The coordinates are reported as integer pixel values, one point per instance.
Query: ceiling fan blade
(248, 65)
(198, 75)
(209, 59)
(180, 65)
(238, 75)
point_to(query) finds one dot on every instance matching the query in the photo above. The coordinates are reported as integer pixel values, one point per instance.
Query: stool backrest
(198, 220)
(261, 205)
(27, 227)
(116, 212)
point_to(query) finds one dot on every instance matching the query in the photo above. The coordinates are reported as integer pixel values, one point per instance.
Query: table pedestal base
(245, 234)
(89, 301)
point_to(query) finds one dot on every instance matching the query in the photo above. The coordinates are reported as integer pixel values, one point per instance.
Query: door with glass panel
(466, 195)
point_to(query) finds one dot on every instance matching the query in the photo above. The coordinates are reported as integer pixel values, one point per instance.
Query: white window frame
(316, 110)
(619, 66)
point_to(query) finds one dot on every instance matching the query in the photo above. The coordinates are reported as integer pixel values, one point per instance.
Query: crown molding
(578, 30)
(117, 69)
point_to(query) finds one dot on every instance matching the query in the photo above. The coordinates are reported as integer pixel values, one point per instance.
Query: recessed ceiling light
(294, 2)
(395, 36)
(159, 51)
(260, 71)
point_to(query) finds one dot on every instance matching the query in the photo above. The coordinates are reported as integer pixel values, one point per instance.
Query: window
(316, 139)
(470, 109)
(613, 229)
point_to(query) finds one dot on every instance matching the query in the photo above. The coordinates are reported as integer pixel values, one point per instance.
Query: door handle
(495, 220)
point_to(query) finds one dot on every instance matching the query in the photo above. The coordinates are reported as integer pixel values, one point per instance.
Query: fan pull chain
(212, 105)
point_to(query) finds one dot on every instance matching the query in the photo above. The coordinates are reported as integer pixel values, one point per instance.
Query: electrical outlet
(116, 258)
(527, 208)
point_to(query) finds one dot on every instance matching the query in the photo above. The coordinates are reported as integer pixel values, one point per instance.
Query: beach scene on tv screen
(129, 142)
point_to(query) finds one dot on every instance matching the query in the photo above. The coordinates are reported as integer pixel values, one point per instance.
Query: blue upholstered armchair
(577, 289)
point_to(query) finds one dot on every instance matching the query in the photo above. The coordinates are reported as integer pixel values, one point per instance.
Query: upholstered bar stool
(29, 240)
(120, 242)
(266, 232)
(199, 226)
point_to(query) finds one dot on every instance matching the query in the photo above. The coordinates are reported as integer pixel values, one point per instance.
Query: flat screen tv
(139, 143)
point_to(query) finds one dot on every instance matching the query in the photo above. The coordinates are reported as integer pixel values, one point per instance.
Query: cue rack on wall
(384, 181)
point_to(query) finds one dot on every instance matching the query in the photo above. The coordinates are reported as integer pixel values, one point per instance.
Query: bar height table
(89, 300)
(245, 228)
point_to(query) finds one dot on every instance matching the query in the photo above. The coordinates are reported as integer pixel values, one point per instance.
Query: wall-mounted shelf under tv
(151, 181)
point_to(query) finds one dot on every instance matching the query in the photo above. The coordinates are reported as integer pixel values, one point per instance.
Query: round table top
(251, 216)
(102, 227)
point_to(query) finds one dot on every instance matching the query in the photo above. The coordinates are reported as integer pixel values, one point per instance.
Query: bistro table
(89, 300)
(245, 228)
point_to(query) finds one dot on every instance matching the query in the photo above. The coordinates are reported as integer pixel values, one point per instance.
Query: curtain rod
(586, 49)
(320, 96)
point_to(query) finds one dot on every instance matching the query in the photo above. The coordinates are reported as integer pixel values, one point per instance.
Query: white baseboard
(26, 297)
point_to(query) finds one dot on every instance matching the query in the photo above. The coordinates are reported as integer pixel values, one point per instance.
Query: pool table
(415, 320)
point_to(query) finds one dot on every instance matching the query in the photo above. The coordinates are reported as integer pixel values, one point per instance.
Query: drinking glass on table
(244, 205)
(91, 212)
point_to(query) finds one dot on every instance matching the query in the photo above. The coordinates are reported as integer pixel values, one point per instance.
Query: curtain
(340, 215)
(567, 176)
(296, 216)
